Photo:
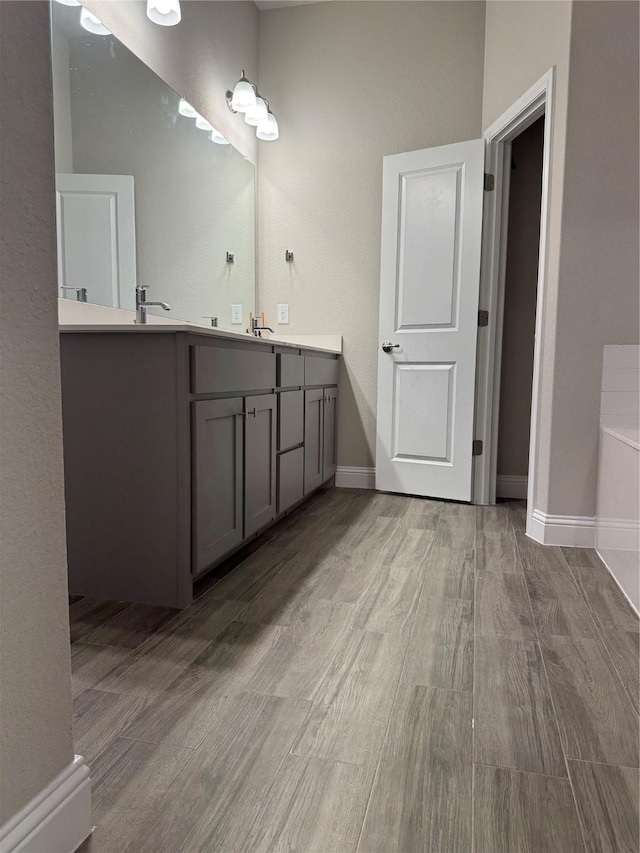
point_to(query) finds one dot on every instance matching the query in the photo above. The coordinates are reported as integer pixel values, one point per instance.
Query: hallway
(382, 674)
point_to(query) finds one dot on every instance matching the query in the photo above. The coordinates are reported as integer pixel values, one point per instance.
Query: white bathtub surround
(57, 820)
(618, 500)
(620, 399)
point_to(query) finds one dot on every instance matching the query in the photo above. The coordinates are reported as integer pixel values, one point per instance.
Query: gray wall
(194, 199)
(598, 279)
(521, 281)
(35, 687)
(592, 272)
(524, 39)
(353, 81)
(200, 58)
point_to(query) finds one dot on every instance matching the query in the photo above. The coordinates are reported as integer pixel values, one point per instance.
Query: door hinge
(483, 317)
(489, 182)
(477, 447)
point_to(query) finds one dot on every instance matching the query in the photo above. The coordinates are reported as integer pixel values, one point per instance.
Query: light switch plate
(236, 314)
(283, 313)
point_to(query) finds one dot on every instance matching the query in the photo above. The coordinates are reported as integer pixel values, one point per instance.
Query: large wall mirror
(144, 195)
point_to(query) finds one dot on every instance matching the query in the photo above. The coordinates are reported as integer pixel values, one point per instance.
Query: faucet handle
(140, 287)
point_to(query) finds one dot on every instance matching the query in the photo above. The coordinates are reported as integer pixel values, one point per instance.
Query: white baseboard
(512, 486)
(348, 477)
(573, 531)
(57, 820)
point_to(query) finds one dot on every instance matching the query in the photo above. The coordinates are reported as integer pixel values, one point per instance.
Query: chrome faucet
(256, 328)
(142, 304)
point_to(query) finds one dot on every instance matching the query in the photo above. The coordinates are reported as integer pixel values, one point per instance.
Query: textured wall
(351, 82)
(200, 58)
(598, 292)
(35, 687)
(524, 39)
(520, 301)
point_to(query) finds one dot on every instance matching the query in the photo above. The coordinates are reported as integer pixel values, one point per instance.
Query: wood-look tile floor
(381, 674)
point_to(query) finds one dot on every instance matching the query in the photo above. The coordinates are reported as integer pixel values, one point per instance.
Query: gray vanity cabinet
(179, 447)
(329, 427)
(313, 456)
(320, 411)
(259, 461)
(217, 479)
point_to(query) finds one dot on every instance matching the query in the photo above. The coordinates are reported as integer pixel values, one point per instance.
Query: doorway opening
(519, 311)
(534, 107)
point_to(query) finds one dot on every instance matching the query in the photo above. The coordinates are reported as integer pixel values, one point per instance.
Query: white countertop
(83, 317)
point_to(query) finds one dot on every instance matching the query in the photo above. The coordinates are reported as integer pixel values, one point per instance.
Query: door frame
(536, 101)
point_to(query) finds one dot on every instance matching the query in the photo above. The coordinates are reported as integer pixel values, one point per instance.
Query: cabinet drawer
(290, 370)
(290, 478)
(291, 419)
(320, 371)
(221, 370)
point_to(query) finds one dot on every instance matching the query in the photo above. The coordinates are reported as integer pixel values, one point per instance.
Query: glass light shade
(185, 109)
(164, 12)
(258, 114)
(92, 24)
(268, 130)
(244, 96)
(69, 2)
(218, 138)
(203, 124)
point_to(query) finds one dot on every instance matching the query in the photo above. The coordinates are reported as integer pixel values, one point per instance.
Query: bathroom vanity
(180, 445)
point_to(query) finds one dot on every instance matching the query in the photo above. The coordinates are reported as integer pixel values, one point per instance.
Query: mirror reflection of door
(97, 238)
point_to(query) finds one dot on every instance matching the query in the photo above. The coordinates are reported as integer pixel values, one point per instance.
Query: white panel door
(96, 238)
(429, 285)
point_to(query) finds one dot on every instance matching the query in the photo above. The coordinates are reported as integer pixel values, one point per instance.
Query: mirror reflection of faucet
(81, 292)
(142, 304)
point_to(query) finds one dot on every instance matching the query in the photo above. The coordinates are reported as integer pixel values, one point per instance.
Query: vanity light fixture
(185, 109)
(243, 96)
(92, 24)
(164, 12)
(268, 130)
(246, 99)
(257, 115)
(69, 2)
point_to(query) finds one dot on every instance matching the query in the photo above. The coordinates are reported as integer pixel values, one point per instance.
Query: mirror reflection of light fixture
(203, 124)
(69, 2)
(164, 12)
(243, 97)
(268, 130)
(92, 24)
(258, 114)
(218, 138)
(185, 109)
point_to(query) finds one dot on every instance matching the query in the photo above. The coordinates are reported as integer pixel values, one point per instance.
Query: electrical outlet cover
(236, 314)
(283, 313)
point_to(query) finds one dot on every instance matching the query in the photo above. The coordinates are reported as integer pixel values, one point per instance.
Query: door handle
(251, 413)
(387, 346)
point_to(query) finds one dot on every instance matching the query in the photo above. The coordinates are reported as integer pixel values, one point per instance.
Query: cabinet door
(313, 455)
(329, 428)
(217, 479)
(291, 419)
(259, 461)
(290, 478)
